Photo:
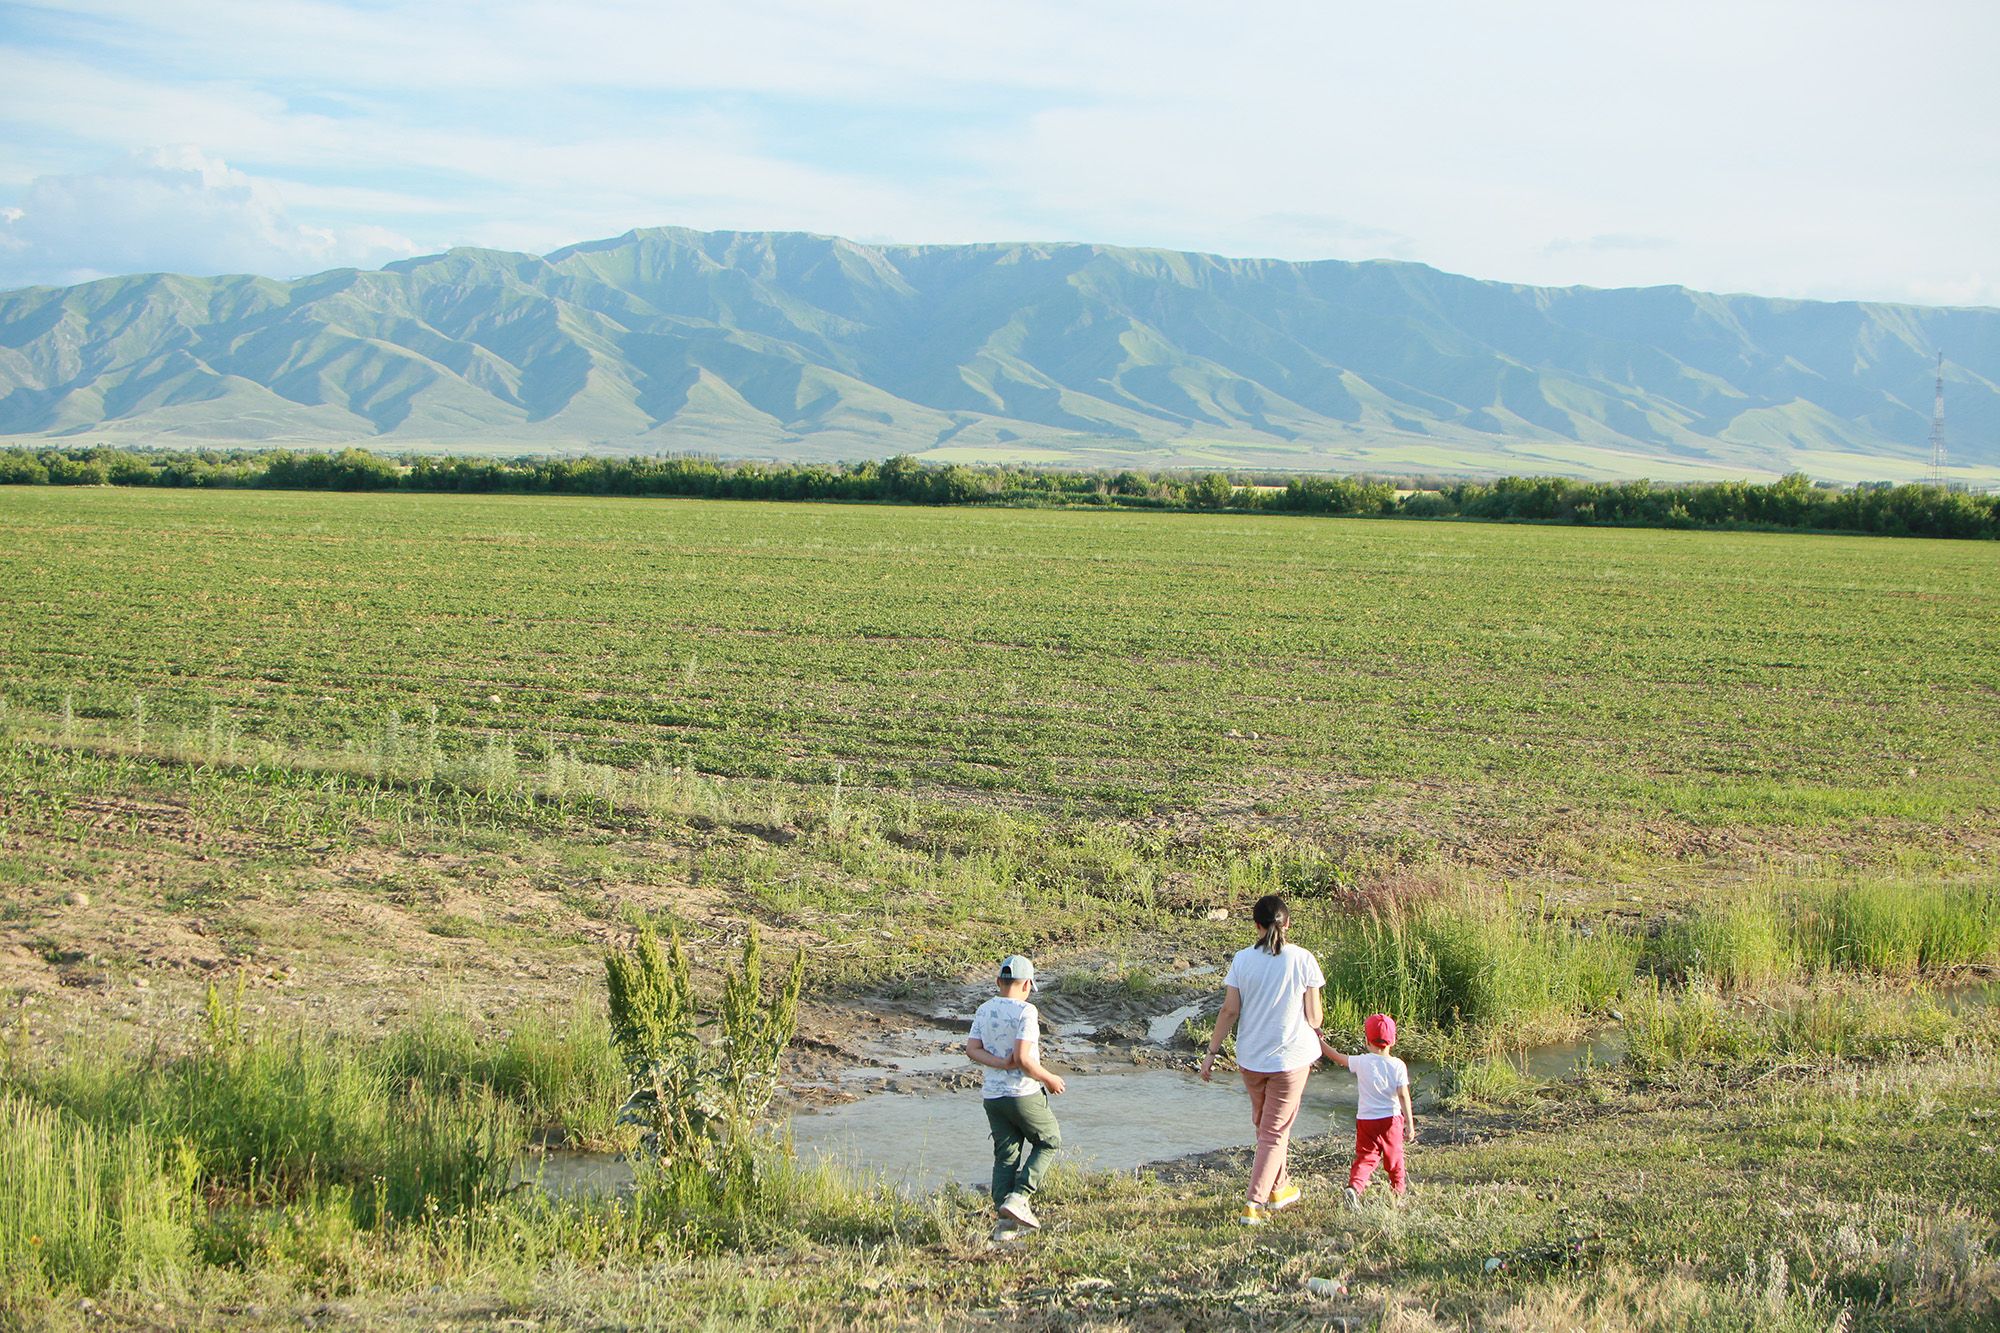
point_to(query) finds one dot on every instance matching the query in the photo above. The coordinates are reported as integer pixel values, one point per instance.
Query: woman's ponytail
(1272, 916)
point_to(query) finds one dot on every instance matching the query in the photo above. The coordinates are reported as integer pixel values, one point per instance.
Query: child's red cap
(1380, 1029)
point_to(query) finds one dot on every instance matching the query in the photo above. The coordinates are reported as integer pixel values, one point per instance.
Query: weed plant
(703, 1099)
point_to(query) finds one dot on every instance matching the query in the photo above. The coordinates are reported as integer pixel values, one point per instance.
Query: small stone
(1218, 914)
(77, 898)
(493, 698)
(140, 983)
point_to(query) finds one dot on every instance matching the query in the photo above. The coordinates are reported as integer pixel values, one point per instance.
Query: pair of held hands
(1326, 1052)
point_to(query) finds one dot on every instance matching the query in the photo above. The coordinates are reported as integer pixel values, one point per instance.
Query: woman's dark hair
(1272, 916)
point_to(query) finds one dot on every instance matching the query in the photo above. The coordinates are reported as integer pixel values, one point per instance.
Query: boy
(1007, 1038)
(1383, 1119)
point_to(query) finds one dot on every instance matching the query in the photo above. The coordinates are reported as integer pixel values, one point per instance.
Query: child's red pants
(1377, 1141)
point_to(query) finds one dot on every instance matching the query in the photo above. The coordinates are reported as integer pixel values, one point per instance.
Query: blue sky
(1827, 149)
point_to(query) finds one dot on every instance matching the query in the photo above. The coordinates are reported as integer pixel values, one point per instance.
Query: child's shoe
(1352, 1199)
(1253, 1215)
(1016, 1207)
(1285, 1196)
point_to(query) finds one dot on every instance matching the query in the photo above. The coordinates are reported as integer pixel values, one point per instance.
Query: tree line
(1791, 502)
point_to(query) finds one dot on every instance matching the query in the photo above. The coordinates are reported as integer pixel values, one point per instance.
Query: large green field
(1343, 673)
(394, 771)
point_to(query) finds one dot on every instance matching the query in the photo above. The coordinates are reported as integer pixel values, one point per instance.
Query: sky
(1824, 149)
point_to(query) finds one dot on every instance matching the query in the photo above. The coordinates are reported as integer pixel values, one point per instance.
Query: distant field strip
(1148, 661)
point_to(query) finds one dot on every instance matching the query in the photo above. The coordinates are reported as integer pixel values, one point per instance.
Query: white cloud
(1551, 141)
(171, 209)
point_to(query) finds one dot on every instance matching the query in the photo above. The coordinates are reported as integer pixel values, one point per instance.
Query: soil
(138, 908)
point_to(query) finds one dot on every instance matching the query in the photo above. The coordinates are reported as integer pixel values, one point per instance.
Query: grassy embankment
(1596, 771)
(1706, 1187)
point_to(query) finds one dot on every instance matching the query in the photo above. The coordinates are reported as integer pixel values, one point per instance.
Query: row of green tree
(1793, 502)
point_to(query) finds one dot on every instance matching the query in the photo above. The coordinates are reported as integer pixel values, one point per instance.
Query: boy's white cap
(1017, 967)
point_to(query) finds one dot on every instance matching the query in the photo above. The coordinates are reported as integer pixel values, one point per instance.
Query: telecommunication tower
(1936, 477)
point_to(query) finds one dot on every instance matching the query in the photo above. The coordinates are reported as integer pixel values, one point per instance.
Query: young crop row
(1143, 662)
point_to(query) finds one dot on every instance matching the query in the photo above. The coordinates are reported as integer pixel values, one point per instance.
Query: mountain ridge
(801, 346)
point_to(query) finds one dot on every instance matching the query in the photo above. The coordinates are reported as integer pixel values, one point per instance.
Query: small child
(1383, 1119)
(1006, 1038)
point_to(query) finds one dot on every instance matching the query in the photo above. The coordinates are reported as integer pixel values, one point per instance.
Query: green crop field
(1329, 670)
(394, 771)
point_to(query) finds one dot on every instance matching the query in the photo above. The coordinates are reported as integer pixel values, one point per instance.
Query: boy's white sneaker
(1016, 1207)
(1352, 1199)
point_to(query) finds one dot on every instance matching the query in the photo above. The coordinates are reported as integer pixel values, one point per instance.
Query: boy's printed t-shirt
(1378, 1077)
(1271, 1032)
(1000, 1025)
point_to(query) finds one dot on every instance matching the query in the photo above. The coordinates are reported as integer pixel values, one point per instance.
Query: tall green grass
(1671, 1029)
(561, 1073)
(1884, 928)
(273, 1117)
(1464, 971)
(1897, 928)
(89, 1207)
(1467, 963)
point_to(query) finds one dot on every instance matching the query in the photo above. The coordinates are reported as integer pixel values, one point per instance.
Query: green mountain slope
(797, 346)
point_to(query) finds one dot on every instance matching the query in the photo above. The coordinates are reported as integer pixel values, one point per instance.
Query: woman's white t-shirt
(1271, 1031)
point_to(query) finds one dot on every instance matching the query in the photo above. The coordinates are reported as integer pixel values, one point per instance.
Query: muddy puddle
(918, 1123)
(1114, 1116)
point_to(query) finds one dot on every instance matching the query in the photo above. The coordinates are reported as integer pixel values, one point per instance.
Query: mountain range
(786, 345)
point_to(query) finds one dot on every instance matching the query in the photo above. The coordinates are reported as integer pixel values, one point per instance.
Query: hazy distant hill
(797, 346)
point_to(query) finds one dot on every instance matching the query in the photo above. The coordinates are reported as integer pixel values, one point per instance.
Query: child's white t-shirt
(1377, 1077)
(1000, 1025)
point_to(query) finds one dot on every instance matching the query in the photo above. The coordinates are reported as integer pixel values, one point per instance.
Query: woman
(1271, 1001)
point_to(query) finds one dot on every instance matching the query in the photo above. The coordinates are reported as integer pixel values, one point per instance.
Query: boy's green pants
(1025, 1136)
